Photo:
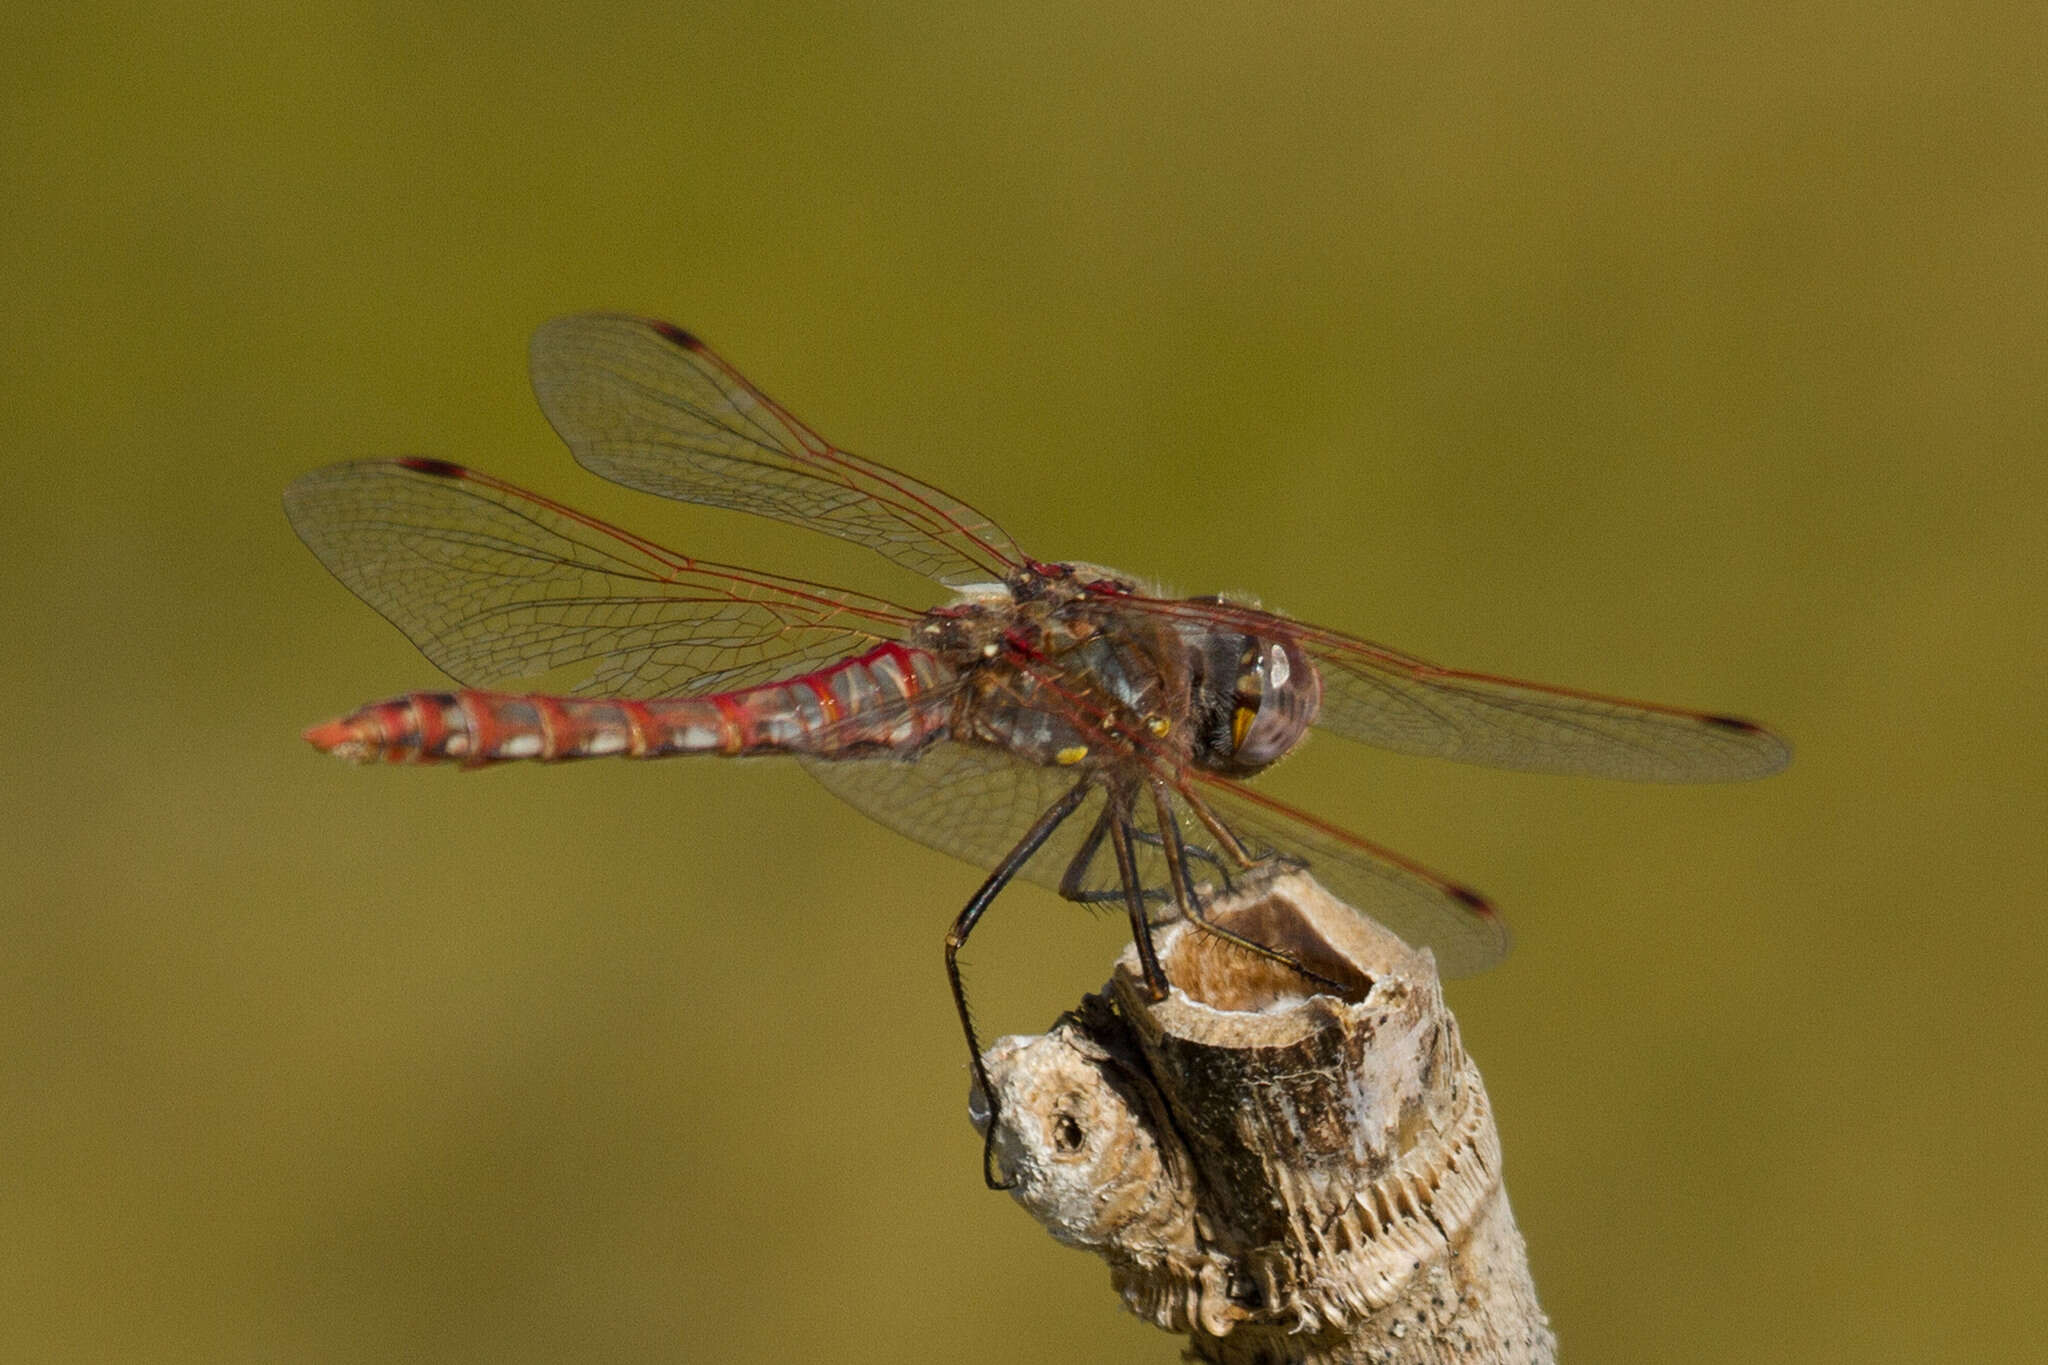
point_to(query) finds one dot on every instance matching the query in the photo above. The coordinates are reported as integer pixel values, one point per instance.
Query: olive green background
(1693, 353)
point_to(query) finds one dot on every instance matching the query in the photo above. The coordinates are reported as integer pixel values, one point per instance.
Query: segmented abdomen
(858, 706)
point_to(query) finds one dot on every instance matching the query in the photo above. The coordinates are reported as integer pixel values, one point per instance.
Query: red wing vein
(645, 405)
(1378, 696)
(497, 585)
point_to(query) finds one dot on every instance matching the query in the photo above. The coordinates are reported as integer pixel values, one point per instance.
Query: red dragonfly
(1054, 721)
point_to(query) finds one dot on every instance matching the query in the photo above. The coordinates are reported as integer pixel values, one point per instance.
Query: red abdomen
(884, 699)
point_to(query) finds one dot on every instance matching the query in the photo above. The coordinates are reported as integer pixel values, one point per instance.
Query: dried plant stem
(1280, 1176)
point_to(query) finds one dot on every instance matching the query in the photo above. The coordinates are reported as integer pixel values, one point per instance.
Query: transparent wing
(976, 803)
(648, 405)
(1458, 924)
(1398, 703)
(497, 585)
(1377, 696)
(972, 802)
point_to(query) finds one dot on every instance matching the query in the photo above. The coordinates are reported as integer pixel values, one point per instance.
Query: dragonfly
(1053, 721)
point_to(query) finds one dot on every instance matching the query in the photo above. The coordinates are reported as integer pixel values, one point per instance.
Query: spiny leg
(1216, 864)
(1191, 906)
(1071, 881)
(1115, 821)
(1220, 832)
(1188, 853)
(1134, 900)
(1154, 895)
(956, 939)
(1176, 851)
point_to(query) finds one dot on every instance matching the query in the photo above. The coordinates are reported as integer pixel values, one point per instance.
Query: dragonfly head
(1253, 696)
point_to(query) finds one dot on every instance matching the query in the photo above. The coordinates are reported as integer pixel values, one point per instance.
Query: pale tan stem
(1279, 1175)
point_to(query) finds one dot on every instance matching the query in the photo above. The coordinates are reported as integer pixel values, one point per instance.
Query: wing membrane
(972, 802)
(1404, 704)
(497, 585)
(1394, 701)
(975, 804)
(648, 405)
(1421, 907)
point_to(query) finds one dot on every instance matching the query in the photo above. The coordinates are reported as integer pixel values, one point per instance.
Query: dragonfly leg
(1191, 906)
(1220, 832)
(1071, 887)
(1154, 895)
(1189, 854)
(1176, 849)
(1194, 853)
(1071, 881)
(1134, 899)
(956, 939)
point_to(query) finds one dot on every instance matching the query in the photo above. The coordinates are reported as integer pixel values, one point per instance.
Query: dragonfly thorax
(1068, 664)
(1054, 673)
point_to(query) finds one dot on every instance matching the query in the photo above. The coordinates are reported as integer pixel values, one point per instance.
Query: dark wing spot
(1472, 900)
(1735, 723)
(439, 469)
(668, 331)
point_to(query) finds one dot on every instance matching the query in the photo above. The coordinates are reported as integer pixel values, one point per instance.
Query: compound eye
(1276, 700)
(1241, 721)
(1264, 734)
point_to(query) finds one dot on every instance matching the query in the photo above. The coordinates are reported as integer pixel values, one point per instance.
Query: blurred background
(1691, 354)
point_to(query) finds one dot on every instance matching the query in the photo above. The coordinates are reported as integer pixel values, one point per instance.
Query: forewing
(1387, 699)
(1395, 701)
(497, 585)
(1422, 908)
(648, 405)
